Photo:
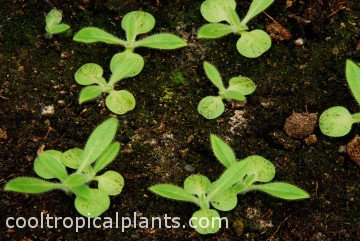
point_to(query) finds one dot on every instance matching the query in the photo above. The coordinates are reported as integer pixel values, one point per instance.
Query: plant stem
(356, 117)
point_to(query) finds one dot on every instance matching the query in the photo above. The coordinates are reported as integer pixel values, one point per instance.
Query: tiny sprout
(337, 121)
(251, 44)
(98, 153)
(250, 174)
(212, 107)
(53, 23)
(134, 24)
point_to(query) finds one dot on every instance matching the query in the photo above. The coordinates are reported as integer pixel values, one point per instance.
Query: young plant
(123, 65)
(337, 121)
(212, 107)
(99, 151)
(250, 174)
(251, 44)
(53, 23)
(134, 24)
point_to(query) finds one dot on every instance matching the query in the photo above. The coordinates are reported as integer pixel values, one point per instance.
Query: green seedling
(212, 107)
(337, 121)
(123, 65)
(251, 44)
(134, 24)
(53, 23)
(99, 151)
(253, 173)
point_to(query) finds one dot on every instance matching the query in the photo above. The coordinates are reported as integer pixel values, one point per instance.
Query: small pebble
(189, 168)
(299, 42)
(48, 110)
(300, 125)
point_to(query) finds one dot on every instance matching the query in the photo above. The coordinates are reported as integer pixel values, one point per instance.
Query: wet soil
(165, 139)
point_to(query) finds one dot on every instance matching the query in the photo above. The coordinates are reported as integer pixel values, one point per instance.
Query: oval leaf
(336, 121)
(214, 30)
(253, 44)
(110, 182)
(97, 203)
(162, 41)
(262, 168)
(256, 7)
(206, 221)
(244, 85)
(107, 156)
(282, 190)
(196, 184)
(60, 28)
(211, 107)
(93, 35)
(216, 11)
(353, 79)
(89, 74)
(72, 158)
(48, 165)
(75, 180)
(120, 102)
(29, 185)
(172, 192)
(234, 95)
(222, 151)
(89, 93)
(52, 19)
(225, 201)
(213, 74)
(137, 22)
(122, 70)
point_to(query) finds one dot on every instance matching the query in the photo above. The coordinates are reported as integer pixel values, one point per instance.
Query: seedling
(250, 174)
(212, 107)
(134, 23)
(53, 23)
(337, 121)
(122, 66)
(99, 152)
(251, 44)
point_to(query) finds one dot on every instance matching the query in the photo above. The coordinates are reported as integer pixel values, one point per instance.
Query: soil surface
(164, 139)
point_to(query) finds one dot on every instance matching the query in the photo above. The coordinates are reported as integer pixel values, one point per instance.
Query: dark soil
(165, 139)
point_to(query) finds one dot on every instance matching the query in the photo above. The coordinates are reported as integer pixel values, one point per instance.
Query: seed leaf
(261, 168)
(53, 18)
(107, 156)
(119, 65)
(212, 223)
(72, 158)
(234, 95)
(222, 151)
(93, 35)
(225, 201)
(242, 84)
(253, 44)
(162, 41)
(336, 121)
(137, 22)
(196, 184)
(75, 180)
(214, 30)
(82, 191)
(282, 190)
(211, 107)
(120, 102)
(215, 11)
(89, 93)
(97, 203)
(172, 192)
(29, 185)
(48, 165)
(110, 182)
(89, 74)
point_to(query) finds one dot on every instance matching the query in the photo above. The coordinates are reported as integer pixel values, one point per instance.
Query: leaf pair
(134, 24)
(100, 151)
(122, 65)
(337, 121)
(213, 106)
(251, 44)
(53, 23)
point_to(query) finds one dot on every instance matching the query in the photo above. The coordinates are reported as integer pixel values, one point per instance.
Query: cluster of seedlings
(253, 173)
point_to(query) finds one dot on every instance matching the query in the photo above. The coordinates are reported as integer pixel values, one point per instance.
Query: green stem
(356, 117)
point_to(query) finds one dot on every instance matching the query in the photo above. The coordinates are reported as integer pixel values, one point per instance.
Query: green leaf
(196, 184)
(211, 107)
(89, 93)
(282, 190)
(162, 41)
(336, 121)
(234, 95)
(137, 22)
(82, 191)
(48, 165)
(124, 65)
(52, 19)
(253, 44)
(244, 85)
(353, 78)
(75, 180)
(172, 192)
(206, 221)
(89, 74)
(225, 201)
(98, 141)
(97, 203)
(107, 156)
(93, 35)
(110, 182)
(262, 168)
(120, 102)
(256, 7)
(214, 30)
(222, 151)
(215, 11)
(29, 185)
(213, 74)
(232, 175)
(72, 158)
(60, 28)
